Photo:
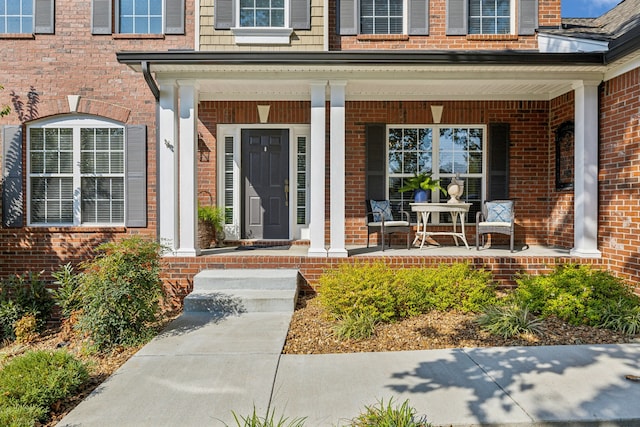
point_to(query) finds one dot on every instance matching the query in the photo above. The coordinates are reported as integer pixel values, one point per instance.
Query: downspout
(146, 72)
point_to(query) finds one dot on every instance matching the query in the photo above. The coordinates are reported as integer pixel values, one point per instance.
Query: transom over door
(265, 183)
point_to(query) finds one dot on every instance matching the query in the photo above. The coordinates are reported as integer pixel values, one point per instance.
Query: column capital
(577, 84)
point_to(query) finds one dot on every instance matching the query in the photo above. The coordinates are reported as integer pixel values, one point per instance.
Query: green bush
(66, 294)
(16, 415)
(447, 287)
(389, 416)
(360, 288)
(384, 294)
(576, 294)
(40, 378)
(20, 296)
(509, 321)
(120, 292)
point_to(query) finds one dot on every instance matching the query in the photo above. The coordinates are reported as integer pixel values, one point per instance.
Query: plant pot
(206, 234)
(421, 196)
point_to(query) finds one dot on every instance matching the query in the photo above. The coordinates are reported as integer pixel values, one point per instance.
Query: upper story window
(476, 17)
(490, 17)
(137, 16)
(381, 17)
(140, 16)
(262, 13)
(262, 21)
(16, 16)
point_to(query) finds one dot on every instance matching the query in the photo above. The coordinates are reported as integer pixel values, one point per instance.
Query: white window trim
(263, 35)
(116, 16)
(405, 19)
(75, 123)
(513, 19)
(233, 231)
(436, 158)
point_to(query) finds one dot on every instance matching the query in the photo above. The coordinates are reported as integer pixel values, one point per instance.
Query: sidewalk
(203, 367)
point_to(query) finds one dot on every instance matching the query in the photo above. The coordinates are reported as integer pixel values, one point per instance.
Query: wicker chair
(381, 219)
(496, 216)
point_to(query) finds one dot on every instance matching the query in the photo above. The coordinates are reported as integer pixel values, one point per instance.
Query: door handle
(286, 192)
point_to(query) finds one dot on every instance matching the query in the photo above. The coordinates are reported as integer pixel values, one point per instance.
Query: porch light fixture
(263, 113)
(436, 113)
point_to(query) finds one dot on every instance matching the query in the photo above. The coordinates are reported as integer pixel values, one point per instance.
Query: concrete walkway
(203, 367)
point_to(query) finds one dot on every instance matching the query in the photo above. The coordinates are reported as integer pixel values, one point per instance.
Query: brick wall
(619, 174)
(38, 73)
(548, 16)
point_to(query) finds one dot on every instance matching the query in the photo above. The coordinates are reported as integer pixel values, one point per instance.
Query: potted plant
(421, 184)
(210, 225)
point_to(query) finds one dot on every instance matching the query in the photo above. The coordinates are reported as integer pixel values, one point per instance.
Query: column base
(338, 253)
(317, 253)
(585, 253)
(187, 252)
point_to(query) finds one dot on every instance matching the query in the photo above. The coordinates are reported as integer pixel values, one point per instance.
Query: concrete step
(246, 279)
(233, 292)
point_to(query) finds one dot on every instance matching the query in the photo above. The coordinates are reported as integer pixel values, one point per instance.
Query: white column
(337, 173)
(316, 176)
(586, 170)
(188, 168)
(167, 166)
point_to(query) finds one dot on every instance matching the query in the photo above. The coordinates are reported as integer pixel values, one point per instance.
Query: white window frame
(233, 230)
(405, 19)
(263, 35)
(76, 123)
(117, 18)
(513, 7)
(435, 159)
(21, 16)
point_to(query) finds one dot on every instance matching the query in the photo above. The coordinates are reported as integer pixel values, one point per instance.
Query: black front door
(265, 183)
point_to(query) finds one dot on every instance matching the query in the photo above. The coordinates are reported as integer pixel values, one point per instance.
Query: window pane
(155, 25)
(262, 18)
(381, 16)
(102, 139)
(277, 18)
(66, 162)
(126, 7)
(37, 162)
(141, 7)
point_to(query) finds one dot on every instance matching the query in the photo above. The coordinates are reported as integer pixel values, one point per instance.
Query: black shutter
(44, 17)
(101, 17)
(136, 176)
(300, 14)
(457, 17)
(224, 17)
(527, 17)
(348, 17)
(174, 19)
(418, 17)
(12, 190)
(376, 162)
(498, 166)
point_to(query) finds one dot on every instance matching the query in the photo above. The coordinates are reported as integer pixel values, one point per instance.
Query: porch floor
(396, 250)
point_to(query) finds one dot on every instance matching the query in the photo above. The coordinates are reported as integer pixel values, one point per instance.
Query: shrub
(16, 415)
(66, 294)
(355, 326)
(22, 295)
(120, 292)
(26, 328)
(509, 321)
(389, 416)
(576, 294)
(359, 288)
(40, 378)
(447, 287)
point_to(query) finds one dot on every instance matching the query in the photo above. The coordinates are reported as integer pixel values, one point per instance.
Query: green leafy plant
(254, 420)
(212, 215)
(576, 294)
(509, 321)
(622, 317)
(389, 415)
(21, 295)
(120, 292)
(66, 294)
(40, 378)
(17, 415)
(355, 326)
(421, 181)
(26, 328)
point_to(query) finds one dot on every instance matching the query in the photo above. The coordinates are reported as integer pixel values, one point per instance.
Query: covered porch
(327, 103)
